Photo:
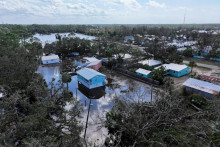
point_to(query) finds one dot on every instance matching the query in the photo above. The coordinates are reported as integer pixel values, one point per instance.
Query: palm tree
(66, 78)
(192, 64)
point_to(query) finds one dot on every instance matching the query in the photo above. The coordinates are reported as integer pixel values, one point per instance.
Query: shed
(91, 78)
(206, 89)
(51, 59)
(176, 70)
(151, 63)
(143, 72)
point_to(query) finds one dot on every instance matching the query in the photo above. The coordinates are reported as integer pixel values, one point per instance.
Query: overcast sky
(109, 11)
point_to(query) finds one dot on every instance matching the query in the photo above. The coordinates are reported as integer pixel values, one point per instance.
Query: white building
(151, 62)
(51, 59)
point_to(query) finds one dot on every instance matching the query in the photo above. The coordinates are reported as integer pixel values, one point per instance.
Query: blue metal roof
(88, 73)
(202, 86)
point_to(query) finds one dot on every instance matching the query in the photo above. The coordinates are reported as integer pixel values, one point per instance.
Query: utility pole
(184, 19)
(87, 119)
(151, 93)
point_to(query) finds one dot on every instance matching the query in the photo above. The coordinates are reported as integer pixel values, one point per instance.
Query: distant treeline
(47, 29)
(96, 28)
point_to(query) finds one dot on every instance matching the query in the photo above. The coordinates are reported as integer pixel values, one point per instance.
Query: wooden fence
(136, 77)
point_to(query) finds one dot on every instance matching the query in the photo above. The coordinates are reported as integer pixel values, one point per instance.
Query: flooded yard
(116, 85)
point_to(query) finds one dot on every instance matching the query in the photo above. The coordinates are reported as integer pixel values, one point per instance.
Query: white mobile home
(51, 59)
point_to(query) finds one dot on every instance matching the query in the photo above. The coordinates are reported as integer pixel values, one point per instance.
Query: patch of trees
(171, 120)
(159, 51)
(33, 113)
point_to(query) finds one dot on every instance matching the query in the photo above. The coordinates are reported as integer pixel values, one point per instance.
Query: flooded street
(116, 85)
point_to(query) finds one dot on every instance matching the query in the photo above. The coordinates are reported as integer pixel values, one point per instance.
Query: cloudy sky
(109, 11)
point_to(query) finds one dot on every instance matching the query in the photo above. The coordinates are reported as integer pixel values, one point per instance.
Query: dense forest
(32, 112)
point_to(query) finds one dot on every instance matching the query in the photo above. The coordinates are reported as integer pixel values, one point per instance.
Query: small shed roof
(143, 71)
(202, 86)
(52, 57)
(91, 59)
(94, 63)
(88, 73)
(150, 62)
(174, 67)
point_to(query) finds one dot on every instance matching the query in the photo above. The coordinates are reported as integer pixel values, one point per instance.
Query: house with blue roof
(206, 89)
(90, 78)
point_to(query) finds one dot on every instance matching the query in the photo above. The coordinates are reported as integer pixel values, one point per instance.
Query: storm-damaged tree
(170, 120)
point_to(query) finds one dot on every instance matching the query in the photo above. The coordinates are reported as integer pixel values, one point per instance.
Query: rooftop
(129, 38)
(209, 78)
(174, 67)
(202, 86)
(91, 59)
(150, 62)
(143, 71)
(51, 57)
(94, 63)
(88, 73)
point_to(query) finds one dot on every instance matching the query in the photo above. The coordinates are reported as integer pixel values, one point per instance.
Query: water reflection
(116, 86)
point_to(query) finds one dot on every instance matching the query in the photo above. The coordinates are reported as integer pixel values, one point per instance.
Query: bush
(198, 100)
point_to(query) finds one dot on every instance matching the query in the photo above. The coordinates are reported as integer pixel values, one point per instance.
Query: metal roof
(174, 67)
(88, 73)
(209, 78)
(94, 63)
(91, 59)
(202, 86)
(143, 71)
(52, 57)
(129, 38)
(150, 62)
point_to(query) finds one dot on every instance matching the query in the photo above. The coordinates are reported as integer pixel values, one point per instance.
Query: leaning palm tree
(192, 64)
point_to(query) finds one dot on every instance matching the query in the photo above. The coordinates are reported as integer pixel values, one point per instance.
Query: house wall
(207, 95)
(50, 61)
(180, 73)
(146, 76)
(96, 67)
(97, 81)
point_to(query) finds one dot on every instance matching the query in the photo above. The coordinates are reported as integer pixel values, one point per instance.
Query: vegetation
(32, 113)
(192, 64)
(188, 52)
(169, 121)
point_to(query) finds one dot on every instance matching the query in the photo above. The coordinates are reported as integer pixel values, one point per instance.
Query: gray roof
(88, 73)
(202, 86)
(143, 71)
(129, 38)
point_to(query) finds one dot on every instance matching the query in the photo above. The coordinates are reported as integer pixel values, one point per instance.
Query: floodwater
(116, 85)
(44, 38)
